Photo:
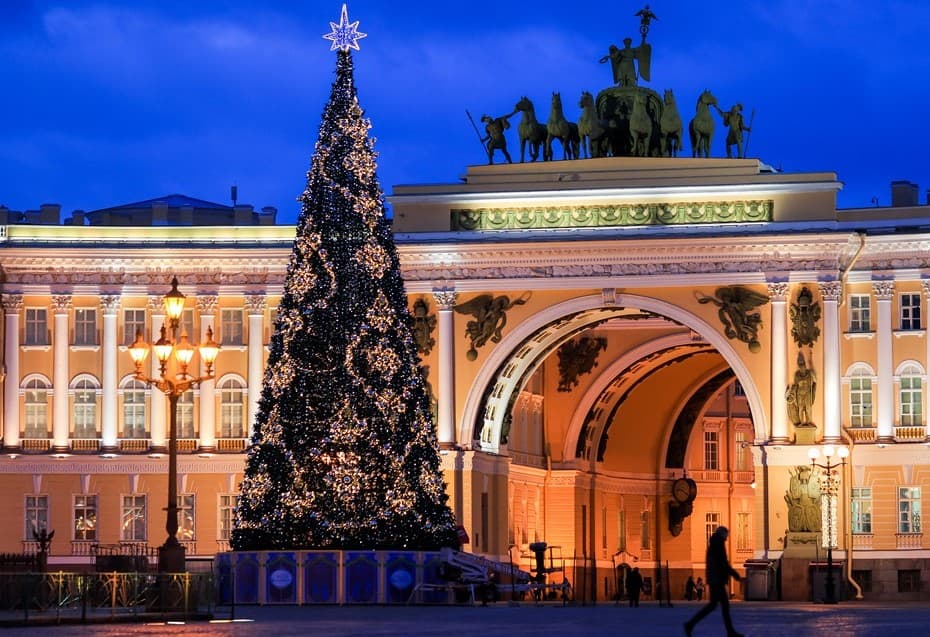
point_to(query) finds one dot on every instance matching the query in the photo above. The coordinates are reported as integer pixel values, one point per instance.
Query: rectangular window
(186, 326)
(231, 327)
(186, 415)
(909, 580)
(743, 451)
(911, 393)
(132, 519)
(621, 531)
(36, 515)
(85, 517)
(85, 412)
(711, 522)
(909, 510)
(133, 322)
(186, 517)
(36, 403)
(910, 311)
(860, 401)
(134, 413)
(860, 315)
(85, 326)
(861, 510)
(743, 531)
(36, 326)
(712, 450)
(228, 504)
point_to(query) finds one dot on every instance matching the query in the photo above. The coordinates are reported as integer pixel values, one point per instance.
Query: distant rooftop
(169, 210)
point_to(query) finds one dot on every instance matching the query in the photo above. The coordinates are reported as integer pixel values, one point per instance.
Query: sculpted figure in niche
(800, 394)
(803, 499)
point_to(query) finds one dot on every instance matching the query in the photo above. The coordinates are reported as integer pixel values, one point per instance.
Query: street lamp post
(171, 558)
(829, 486)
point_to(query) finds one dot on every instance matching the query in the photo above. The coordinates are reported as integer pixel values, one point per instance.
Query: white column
(61, 309)
(109, 422)
(12, 307)
(206, 307)
(445, 393)
(884, 290)
(255, 308)
(831, 291)
(778, 293)
(925, 324)
(158, 424)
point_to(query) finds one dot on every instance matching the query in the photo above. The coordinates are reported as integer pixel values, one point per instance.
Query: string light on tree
(344, 453)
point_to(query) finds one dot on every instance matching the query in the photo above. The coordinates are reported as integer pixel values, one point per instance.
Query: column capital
(255, 304)
(925, 285)
(110, 304)
(61, 303)
(778, 291)
(831, 290)
(883, 290)
(445, 299)
(206, 304)
(156, 305)
(12, 303)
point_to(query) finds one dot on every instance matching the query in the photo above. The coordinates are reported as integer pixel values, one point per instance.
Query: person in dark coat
(634, 586)
(690, 588)
(719, 573)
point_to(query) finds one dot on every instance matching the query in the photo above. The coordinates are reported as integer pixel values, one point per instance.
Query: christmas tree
(344, 452)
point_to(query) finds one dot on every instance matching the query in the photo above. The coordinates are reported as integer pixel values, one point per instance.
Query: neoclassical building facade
(624, 354)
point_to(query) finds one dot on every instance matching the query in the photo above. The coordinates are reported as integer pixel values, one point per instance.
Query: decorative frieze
(613, 215)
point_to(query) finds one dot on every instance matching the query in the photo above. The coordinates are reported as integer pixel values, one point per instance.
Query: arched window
(85, 408)
(36, 394)
(910, 396)
(232, 408)
(134, 409)
(860, 397)
(186, 415)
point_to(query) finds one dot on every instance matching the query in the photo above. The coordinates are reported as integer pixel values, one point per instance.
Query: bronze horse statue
(531, 130)
(561, 129)
(591, 131)
(670, 127)
(640, 127)
(702, 126)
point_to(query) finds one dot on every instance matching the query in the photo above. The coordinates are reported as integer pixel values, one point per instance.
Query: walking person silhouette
(719, 573)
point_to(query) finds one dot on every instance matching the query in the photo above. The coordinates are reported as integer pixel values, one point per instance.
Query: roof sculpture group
(624, 120)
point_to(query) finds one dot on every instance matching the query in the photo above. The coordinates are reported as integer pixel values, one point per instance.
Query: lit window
(228, 504)
(132, 516)
(909, 510)
(861, 510)
(134, 409)
(860, 399)
(232, 395)
(186, 415)
(85, 409)
(36, 515)
(36, 400)
(910, 398)
(711, 450)
(85, 517)
(743, 531)
(186, 517)
(711, 522)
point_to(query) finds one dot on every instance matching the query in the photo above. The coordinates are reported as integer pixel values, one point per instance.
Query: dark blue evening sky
(109, 102)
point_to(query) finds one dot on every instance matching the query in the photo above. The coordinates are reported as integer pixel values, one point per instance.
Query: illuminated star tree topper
(344, 35)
